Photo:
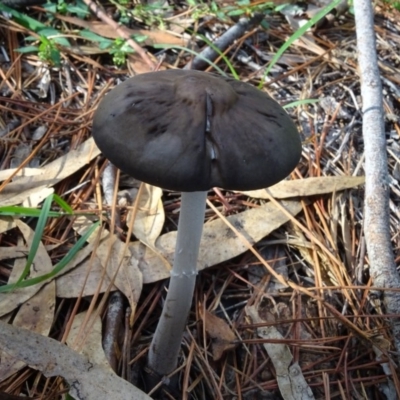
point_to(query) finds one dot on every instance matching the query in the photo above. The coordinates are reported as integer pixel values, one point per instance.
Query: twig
(376, 207)
(115, 315)
(224, 41)
(101, 14)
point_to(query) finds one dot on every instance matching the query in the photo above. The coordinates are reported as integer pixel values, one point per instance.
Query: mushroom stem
(166, 343)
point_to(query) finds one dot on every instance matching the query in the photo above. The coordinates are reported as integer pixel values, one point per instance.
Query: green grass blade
(58, 267)
(42, 220)
(18, 211)
(222, 55)
(63, 204)
(297, 35)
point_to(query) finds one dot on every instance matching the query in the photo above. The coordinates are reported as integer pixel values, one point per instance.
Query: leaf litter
(69, 165)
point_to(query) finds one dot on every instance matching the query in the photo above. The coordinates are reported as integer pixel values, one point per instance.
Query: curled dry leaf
(291, 382)
(150, 216)
(221, 334)
(149, 219)
(87, 381)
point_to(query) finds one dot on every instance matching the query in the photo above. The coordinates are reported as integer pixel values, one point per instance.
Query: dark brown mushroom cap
(190, 131)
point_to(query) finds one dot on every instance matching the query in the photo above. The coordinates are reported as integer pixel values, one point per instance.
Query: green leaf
(235, 13)
(55, 36)
(139, 38)
(27, 49)
(18, 211)
(23, 19)
(103, 42)
(63, 204)
(58, 267)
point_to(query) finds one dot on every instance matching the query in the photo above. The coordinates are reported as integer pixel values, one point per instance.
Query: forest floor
(329, 319)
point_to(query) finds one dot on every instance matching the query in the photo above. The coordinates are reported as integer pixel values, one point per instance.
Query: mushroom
(190, 131)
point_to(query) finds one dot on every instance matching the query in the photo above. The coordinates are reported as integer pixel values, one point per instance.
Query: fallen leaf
(37, 197)
(23, 172)
(122, 267)
(6, 223)
(11, 300)
(218, 242)
(87, 381)
(307, 187)
(137, 65)
(150, 215)
(13, 252)
(222, 335)
(80, 281)
(87, 340)
(36, 313)
(291, 382)
(41, 265)
(54, 172)
(154, 36)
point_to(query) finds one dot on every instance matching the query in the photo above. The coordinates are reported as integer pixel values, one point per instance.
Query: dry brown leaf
(54, 172)
(218, 242)
(10, 301)
(150, 215)
(155, 36)
(121, 265)
(87, 381)
(291, 382)
(137, 64)
(23, 172)
(37, 313)
(6, 223)
(307, 187)
(87, 340)
(80, 280)
(41, 265)
(221, 333)
(37, 197)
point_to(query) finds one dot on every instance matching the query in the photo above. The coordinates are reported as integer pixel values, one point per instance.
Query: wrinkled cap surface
(190, 131)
